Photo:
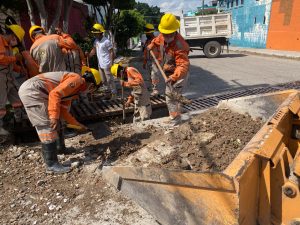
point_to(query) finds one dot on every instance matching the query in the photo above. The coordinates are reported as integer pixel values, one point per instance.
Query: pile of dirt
(209, 141)
(29, 196)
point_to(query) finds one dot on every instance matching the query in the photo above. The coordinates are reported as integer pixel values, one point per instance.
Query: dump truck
(207, 32)
(260, 186)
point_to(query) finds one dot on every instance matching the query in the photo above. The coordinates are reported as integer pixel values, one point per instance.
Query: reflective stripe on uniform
(48, 136)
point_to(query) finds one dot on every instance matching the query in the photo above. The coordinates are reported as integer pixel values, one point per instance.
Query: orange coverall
(48, 96)
(174, 60)
(74, 58)
(48, 54)
(140, 94)
(7, 82)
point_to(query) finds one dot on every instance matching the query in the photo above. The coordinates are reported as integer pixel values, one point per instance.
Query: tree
(129, 23)
(105, 9)
(40, 7)
(150, 13)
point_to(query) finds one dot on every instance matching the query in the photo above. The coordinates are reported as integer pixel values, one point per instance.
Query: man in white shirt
(105, 54)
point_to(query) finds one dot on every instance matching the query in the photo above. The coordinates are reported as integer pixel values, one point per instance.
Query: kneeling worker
(47, 98)
(131, 78)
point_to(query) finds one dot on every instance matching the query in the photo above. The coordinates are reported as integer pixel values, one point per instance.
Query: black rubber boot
(51, 160)
(61, 147)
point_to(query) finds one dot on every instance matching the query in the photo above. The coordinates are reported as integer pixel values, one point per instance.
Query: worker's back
(48, 54)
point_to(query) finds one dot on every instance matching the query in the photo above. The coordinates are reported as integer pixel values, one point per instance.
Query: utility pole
(202, 7)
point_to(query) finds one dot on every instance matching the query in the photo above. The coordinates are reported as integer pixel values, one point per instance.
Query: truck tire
(212, 49)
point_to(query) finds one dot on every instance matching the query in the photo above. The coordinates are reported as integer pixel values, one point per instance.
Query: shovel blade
(99, 130)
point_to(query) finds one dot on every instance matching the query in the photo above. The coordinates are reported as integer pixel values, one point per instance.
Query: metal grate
(111, 108)
(107, 108)
(210, 101)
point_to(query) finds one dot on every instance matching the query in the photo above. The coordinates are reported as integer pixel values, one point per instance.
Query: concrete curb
(282, 55)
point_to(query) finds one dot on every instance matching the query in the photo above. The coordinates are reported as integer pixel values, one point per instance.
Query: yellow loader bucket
(260, 186)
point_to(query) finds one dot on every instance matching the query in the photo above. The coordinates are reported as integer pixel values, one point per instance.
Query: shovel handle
(123, 101)
(158, 66)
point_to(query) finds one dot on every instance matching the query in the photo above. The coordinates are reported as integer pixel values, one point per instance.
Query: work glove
(54, 123)
(122, 83)
(78, 127)
(170, 81)
(127, 103)
(19, 57)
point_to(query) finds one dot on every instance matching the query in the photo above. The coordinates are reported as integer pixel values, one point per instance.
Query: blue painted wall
(250, 22)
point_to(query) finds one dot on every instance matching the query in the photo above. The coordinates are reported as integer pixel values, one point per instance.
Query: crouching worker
(131, 78)
(8, 88)
(47, 98)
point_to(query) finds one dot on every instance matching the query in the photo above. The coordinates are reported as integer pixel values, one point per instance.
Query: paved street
(238, 71)
(234, 71)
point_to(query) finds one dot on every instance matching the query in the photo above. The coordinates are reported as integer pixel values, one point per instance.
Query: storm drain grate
(107, 108)
(210, 101)
(98, 109)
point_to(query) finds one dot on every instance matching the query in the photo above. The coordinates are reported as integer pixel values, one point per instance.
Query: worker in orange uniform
(74, 58)
(131, 78)
(148, 61)
(47, 98)
(172, 51)
(9, 92)
(47, 50)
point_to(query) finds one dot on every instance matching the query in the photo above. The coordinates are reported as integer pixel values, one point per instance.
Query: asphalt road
(232, 71)
(236, 71)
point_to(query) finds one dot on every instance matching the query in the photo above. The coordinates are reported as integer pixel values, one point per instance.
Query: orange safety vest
(173, 56)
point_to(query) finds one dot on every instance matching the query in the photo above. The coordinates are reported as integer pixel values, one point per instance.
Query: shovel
(123, 102)
(174, 95)
(99, 130)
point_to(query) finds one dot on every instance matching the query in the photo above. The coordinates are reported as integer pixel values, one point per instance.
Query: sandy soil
(209, 141)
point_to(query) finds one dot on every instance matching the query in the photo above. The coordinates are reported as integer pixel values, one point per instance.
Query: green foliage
(124, 5)
(86, 44)
(206, 12)
(151, 14)
(129, 24)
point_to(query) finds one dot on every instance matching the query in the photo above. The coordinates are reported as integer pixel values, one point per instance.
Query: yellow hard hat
(84, 69)
(97, 28)
(168, 24)
(95, 73)
(33, 28)
(149, 28)
(114, 69)
(96, 76)
(17, 30)
(15, 50)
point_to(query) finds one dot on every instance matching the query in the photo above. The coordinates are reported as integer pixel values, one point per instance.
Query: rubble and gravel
(208, 141)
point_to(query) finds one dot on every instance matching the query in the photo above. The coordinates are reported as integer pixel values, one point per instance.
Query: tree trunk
(110, 14)
(101, 16)
(56, 17)
(67, 9)
(30, 12)
(43, 14)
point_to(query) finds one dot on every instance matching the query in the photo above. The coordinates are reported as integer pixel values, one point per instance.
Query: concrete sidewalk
(267, 52)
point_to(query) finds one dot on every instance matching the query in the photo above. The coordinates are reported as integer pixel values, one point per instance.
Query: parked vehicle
(208, 32)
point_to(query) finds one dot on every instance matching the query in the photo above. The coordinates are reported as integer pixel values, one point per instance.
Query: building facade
(250, 20)
(284, 28)
(272, 24)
